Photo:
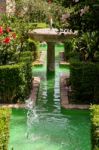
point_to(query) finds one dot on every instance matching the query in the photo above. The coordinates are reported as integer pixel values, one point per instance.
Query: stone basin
(51, 36)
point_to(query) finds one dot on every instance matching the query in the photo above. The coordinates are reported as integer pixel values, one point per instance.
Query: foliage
(33, 11)
(95, 126)
(87, 46)
(22, 42)
(84, 18)
(25, 43)
(64, 3)
(33, 46)
(27, 58)
(25, 55)
(8, 45)
(85, 81)
(4, 128)
(15, 82)
(68, 48)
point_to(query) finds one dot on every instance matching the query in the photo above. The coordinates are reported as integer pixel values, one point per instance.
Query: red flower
(1, 30)
(8, 29)
(6, 40)
(49, 1)
(14, 35)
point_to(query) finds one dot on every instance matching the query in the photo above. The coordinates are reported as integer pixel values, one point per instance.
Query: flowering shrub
(8, 45)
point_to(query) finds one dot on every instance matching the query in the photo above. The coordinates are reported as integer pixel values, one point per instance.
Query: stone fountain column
(50, 56)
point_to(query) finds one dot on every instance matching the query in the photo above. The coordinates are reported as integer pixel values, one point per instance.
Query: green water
(55, 128)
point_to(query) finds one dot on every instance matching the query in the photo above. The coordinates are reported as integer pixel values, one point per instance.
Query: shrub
(68, 47)
(8, 45)
(85, 81)
(95, 126)
(14, 83)
(33, 46)
(26, 56)
(4, 128)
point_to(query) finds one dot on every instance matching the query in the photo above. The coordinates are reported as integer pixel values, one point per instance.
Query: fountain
(47, 126)
(32, 116)
(51, 36)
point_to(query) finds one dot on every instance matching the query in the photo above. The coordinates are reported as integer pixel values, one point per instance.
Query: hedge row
(95, 126)
(27, 58)
(15, 81)
(4, 128)
(85, 81)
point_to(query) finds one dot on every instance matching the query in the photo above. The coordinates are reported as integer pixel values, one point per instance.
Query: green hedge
(68, 47)
(95, 126)
(85, 81)
(33, 46)
(26, 57)
(13, 82)
(4, 128)
(26, 54)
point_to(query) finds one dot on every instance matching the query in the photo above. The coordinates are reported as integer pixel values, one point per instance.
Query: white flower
(75, 1)
(84, 10)
(65, 16)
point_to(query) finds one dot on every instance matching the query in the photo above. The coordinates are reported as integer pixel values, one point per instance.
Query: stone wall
(7, 6)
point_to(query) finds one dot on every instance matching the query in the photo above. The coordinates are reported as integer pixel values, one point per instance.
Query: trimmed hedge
(26, 57)
(95, 126)
(14, 83)
(4, 128)
(68, 47)
(84, 77)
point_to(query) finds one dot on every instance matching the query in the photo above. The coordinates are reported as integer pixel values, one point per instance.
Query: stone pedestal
(51, 37)
(50, 56)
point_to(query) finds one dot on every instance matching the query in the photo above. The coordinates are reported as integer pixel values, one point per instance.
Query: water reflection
(50, 91)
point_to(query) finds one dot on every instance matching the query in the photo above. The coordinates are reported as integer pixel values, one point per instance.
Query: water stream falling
(46, 126)
(32, 116)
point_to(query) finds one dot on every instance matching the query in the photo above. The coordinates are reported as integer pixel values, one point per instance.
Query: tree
(84, 18)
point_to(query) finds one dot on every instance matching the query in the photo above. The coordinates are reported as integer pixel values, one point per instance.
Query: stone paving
(64, 101)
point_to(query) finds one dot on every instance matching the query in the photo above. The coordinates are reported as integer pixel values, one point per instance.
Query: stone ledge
(40, 61)
(64, 101)
(35, 89)
(33, 95)
(62, 60)
(74, 106)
